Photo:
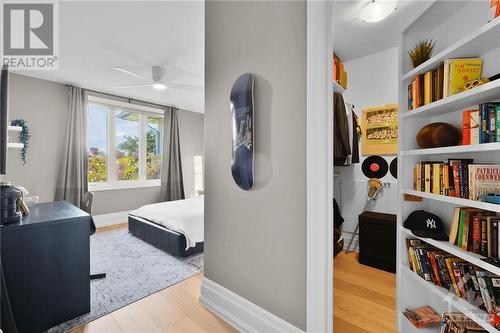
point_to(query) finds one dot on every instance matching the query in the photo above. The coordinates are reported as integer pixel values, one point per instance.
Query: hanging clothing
(355, 138)
(337, 217)
(341, 142)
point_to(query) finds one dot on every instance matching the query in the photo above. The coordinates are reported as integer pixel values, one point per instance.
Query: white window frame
(144, 111)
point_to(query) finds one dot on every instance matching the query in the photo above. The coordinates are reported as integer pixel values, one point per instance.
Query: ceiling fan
(160, 79)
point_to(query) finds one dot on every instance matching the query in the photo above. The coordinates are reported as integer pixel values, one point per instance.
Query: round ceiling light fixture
(377, 10)
(159, 86)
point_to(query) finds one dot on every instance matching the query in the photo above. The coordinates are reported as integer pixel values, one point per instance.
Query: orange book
(417, 92)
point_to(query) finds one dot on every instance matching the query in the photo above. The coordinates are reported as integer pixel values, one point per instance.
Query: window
(125, 145)
(98, 144)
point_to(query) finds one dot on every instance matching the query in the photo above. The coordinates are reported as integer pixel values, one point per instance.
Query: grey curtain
(72, 182)
(172, 184)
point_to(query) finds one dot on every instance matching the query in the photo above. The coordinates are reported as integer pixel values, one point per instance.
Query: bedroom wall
(255, 241)
(364, 90)
(44, 105)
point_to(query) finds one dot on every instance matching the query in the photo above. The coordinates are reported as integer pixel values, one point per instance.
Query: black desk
(46, 261)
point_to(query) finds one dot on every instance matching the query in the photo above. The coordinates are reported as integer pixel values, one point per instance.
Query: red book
(466, 127)
(432, 259)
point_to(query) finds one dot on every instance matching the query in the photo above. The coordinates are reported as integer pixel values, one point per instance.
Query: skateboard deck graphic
(242, 114)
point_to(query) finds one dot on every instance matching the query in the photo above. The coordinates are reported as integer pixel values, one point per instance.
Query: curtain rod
(129, 100)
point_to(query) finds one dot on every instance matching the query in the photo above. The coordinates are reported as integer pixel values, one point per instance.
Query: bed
(174, 226)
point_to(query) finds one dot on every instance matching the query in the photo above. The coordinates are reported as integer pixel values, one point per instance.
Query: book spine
(497, 125)
(446, 179)
(465, 179)
(472, 190)
(466, 127)
(461, 179)
(474, 127)
(493, 123)
(476, 234)
(484, 237)
(456, 178)
(428, 172)
(484, 117)
(410, 97)
(436, 179)
(490, 234)
(461, 228)
(494, 241)
(435, 270)
(427, 88)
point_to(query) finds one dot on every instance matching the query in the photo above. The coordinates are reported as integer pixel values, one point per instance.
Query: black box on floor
(377, 240)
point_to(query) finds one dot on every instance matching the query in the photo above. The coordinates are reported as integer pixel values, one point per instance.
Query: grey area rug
(134, 270)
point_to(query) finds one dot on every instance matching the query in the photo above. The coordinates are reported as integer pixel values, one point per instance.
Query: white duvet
(182, 216)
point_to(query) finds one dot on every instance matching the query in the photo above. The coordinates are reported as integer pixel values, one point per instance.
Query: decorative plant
(422, 51)
(24, 137)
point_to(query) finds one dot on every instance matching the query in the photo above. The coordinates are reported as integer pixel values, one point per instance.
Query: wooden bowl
(438, 134)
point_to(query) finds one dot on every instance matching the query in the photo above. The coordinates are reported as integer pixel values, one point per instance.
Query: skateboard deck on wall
(242, 114)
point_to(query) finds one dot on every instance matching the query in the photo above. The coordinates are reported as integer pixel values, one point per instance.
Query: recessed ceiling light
(159, 86)
(377, 10)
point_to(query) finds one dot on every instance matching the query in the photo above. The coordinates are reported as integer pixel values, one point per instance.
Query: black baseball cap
(425, 224)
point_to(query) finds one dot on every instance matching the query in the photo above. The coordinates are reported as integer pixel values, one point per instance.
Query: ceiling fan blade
(173, 74)
(135, 85)
(187, 87)
(132, 73)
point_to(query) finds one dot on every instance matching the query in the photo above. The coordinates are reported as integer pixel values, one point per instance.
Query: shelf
(458, 102)
(14, 128)
(478, 148)
(409, 328)
(337, 88)
(476, 43)
(471, 257)
(15, 145)
(455, 201)
(474, 313)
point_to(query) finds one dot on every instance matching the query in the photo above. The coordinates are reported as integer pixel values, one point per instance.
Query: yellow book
(462, 71)
(428, 87)
(436, 178)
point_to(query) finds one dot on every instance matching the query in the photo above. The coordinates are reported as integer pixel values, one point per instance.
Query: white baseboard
(105, 220)
(240, 313)
(347, 237)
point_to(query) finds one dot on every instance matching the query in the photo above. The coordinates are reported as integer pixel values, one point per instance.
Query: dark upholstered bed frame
(157, 235)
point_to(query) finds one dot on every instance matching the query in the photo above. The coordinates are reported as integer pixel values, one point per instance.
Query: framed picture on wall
(380, 130)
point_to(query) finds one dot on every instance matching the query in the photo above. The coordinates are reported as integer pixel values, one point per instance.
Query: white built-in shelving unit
(14, 129)
(461, 29)
(338, 88)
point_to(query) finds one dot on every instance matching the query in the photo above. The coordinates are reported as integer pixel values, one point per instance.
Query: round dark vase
(438, 134)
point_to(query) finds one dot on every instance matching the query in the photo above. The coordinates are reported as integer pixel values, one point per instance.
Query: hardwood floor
(364, 298)
(172, 310)
(364, 302)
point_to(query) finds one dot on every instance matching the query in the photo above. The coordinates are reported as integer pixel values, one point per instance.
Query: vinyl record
(393, 168)
(374, 167)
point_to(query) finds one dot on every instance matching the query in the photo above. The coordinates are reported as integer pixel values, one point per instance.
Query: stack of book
(457, 178)
(482, 125)
(476, 230)
(446, 80)
(339, 73)
(424, 316)
(473, 284)
(456, 322)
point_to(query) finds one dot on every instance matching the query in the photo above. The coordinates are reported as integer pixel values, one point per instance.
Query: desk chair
(88, 198)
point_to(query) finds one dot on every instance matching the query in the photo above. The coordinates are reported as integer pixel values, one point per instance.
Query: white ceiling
(97, 36)
(354, 39)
